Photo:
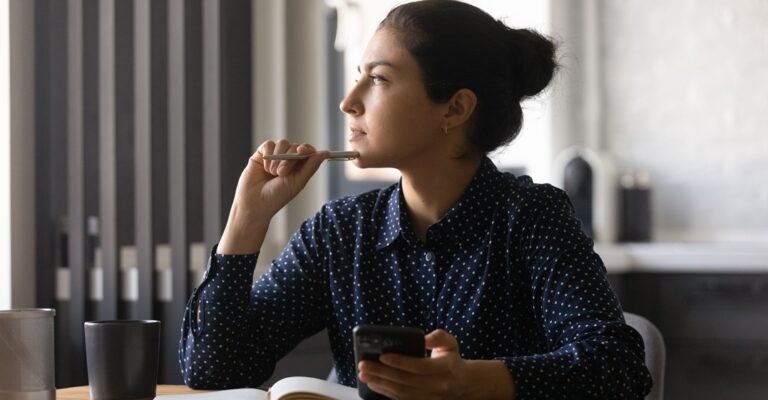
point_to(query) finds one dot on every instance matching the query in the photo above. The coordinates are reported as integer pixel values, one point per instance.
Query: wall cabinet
(715, 327)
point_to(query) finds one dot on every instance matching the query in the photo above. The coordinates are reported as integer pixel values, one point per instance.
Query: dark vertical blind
(78, 277)
(107, 161)
(235, 103)
(144, 161)
(177, 167)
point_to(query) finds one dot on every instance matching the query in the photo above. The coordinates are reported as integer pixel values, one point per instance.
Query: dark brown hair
(458, 45)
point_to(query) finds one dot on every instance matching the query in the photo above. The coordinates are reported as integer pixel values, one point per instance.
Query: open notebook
(292, 388)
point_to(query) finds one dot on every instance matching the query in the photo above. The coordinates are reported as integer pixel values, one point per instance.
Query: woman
(494, 267)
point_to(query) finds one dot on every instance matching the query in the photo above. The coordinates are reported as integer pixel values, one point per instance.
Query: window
(5, 156)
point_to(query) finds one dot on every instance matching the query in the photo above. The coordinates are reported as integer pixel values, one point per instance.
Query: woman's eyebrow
(373, 64)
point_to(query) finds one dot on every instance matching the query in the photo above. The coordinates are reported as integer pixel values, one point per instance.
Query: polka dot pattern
(507, 271)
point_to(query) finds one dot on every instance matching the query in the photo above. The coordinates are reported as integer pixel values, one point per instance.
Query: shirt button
(429, 256)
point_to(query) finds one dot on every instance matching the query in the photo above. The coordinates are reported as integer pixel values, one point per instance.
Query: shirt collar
(458, 225)
(395, 223)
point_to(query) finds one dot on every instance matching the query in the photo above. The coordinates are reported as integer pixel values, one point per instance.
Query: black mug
(122, 359)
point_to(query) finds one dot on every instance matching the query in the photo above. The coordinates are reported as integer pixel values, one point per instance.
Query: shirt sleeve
(591, 353)
(235, 330)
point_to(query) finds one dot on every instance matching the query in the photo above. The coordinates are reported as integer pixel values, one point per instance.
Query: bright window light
(5, 157)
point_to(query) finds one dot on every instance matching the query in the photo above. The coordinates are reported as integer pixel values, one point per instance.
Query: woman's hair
(458, 45)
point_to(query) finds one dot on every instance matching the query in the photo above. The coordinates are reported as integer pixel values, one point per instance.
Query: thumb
(310, 166)
(441, 340)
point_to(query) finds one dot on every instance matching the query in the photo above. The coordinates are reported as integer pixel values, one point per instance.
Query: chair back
(655, 352)
(332, 377)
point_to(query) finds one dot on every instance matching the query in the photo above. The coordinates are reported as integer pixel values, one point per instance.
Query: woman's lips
(355, 134)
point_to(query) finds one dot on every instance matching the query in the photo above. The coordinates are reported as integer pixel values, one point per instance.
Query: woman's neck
(432, 188)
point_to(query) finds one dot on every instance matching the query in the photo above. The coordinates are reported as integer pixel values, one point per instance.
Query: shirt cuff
(228, 276)
(535, 376)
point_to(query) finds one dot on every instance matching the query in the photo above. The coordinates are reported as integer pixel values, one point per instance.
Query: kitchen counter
(684, 257)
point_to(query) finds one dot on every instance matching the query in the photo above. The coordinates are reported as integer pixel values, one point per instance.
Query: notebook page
(294, 384)
(231, 394)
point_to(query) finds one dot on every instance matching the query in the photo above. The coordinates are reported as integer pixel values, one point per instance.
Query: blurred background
(124, 125)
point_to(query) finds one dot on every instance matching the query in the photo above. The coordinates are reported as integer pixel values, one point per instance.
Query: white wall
(17, 206)
(686, 98)
(681, 91)
(5, 154)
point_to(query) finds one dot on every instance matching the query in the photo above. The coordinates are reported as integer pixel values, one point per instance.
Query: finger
(430, 375)
(303, 148)
(412, 365)
(281, 147)
(396, 390)
(267, 148)
(306, 148)
(285, 166)
(370, 369)
(257, 158)
(441, 340)
(310, 166)
(382, 389)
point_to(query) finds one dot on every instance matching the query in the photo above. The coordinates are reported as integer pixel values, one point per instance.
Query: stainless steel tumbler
(27, 354)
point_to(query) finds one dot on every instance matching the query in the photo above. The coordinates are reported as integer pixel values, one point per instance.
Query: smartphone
(370, 341)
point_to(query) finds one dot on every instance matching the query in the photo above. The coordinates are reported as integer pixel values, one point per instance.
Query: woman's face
(391, 121)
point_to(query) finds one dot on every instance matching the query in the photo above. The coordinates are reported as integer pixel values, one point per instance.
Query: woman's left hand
(444, 375)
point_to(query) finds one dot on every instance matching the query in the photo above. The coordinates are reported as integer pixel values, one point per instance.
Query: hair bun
(532, 58)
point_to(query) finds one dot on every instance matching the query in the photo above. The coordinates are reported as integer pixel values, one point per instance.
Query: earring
(446, 130)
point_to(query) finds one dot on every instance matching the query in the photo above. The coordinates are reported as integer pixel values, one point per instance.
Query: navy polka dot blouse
(507, 271)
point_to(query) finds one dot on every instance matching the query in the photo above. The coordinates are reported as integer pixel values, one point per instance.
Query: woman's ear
(461, 106)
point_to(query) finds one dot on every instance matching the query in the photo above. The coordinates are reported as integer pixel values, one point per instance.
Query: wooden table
(82, 392)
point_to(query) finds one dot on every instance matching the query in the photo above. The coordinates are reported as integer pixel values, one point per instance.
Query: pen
(334, 155)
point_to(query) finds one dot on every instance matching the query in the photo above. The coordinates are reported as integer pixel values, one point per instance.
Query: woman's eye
(377, 79)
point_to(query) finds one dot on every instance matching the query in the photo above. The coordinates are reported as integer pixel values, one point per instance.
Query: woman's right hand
(265, 187)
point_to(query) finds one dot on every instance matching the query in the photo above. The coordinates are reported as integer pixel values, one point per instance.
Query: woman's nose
(350, 106)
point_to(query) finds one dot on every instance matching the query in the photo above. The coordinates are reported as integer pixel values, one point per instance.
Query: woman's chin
(365, 163)
(368, 159)
(362, 162)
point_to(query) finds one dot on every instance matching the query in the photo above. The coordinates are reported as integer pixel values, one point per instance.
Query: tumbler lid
(26, 313)
(123, 322)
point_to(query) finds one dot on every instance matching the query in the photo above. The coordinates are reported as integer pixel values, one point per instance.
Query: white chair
(655, 352)
(332, 377)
